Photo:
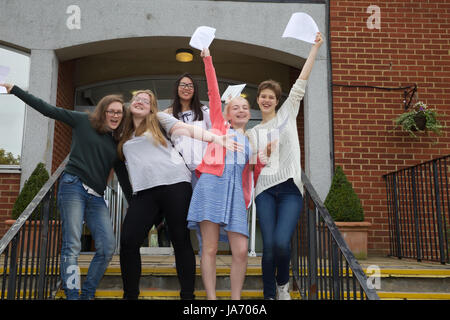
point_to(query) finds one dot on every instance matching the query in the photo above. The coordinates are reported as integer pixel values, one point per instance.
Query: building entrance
(158, 241)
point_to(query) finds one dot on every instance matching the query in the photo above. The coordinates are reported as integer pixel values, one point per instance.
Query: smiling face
(186, 89)
(238, 112)
(114, 115)
(140, 105)
(267, 102)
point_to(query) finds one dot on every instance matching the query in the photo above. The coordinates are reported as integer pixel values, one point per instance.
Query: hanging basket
(421, 122)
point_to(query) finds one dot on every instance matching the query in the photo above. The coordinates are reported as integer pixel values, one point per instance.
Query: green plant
(31, 187)
(409, 121)
(8, 158)
(342, 201)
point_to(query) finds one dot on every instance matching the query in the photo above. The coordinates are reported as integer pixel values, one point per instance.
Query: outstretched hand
(264, 154)
(227, 142)
(205, 53)
(7, 86)
(319, 40)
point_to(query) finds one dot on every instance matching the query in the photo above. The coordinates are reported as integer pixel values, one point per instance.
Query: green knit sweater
(92, 155)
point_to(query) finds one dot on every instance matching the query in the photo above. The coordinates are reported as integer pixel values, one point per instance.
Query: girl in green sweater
(93, 154)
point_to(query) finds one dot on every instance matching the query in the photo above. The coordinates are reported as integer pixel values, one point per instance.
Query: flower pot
(421, 122)
(32, 234)
(355, 235)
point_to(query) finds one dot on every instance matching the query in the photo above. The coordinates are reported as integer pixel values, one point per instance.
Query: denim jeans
(278, 210)
(76, 206)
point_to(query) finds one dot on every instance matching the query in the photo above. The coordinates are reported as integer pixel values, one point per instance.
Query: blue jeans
(278, 210)
(76, 206)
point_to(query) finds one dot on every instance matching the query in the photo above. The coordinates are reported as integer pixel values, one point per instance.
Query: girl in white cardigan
(279, 189)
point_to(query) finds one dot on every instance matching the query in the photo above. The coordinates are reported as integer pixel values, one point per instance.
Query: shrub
(31, 187)
(342, 202)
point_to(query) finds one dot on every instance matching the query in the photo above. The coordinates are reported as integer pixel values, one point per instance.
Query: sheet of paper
(202, 37)
(233, 91)
(302, 27)
(4, 71)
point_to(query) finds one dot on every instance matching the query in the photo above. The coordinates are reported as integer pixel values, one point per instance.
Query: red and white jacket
(214, 159)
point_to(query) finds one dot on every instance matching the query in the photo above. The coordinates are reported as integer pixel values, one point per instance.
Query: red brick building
(411, 47)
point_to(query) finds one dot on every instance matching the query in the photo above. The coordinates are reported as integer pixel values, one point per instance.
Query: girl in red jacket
(222, 194)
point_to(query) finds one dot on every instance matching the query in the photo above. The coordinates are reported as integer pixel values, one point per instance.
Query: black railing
(323, 266)
(29, 251)
(418, 210)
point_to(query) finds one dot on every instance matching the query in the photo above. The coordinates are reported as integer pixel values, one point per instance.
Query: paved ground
(224, 261)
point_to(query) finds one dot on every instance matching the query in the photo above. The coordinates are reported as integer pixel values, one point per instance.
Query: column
(318, 134)
(37, 142)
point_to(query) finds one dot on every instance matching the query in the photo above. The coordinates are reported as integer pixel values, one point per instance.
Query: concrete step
(102, 294)
(174, 295)
(398, 279)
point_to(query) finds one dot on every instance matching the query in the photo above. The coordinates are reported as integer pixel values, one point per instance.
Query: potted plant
(345, 208)
(420, 118)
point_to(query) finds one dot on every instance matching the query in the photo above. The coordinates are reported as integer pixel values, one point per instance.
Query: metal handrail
(14, 229)
(323, 265)
(117, 206)
(418, 205)
(30, 248)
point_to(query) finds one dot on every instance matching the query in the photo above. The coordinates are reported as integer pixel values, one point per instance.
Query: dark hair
(272, 85)
(98, 116)
(195, 106)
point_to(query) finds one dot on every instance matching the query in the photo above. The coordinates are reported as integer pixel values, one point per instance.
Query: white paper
(302, 27)
(202, 37)
(4, 71)
(233, 91)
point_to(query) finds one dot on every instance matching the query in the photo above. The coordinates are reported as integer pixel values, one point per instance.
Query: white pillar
(37, 145)
(318, 137)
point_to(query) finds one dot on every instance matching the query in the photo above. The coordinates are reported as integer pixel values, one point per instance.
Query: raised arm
(291, 106)
(307, 67)
(215, 104)
(41, 106)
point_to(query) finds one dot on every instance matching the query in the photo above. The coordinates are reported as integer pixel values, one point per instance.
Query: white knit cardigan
(284, 162)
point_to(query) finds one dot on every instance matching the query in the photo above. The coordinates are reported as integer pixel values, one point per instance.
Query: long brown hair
(98, 116)
(149, 124)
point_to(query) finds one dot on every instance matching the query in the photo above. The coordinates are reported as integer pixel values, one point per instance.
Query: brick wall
(64, 98)
(412, 46)
(9, 190)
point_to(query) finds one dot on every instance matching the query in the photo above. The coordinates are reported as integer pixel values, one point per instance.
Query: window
(12, 109)
(162, 86)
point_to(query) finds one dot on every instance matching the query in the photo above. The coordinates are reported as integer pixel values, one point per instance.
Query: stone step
(175, 295)
(254, 295)
(398, 279)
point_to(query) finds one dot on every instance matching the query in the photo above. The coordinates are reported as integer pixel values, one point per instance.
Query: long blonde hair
(150, 124)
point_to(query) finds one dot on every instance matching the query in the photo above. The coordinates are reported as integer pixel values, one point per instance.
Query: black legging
(172, 201)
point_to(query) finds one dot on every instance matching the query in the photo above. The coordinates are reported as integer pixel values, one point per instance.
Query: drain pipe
(330, 92)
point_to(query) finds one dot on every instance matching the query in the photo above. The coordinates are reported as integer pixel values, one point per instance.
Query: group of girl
(191, 165)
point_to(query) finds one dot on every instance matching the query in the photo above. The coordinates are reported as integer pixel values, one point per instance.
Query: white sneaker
(283, 292)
